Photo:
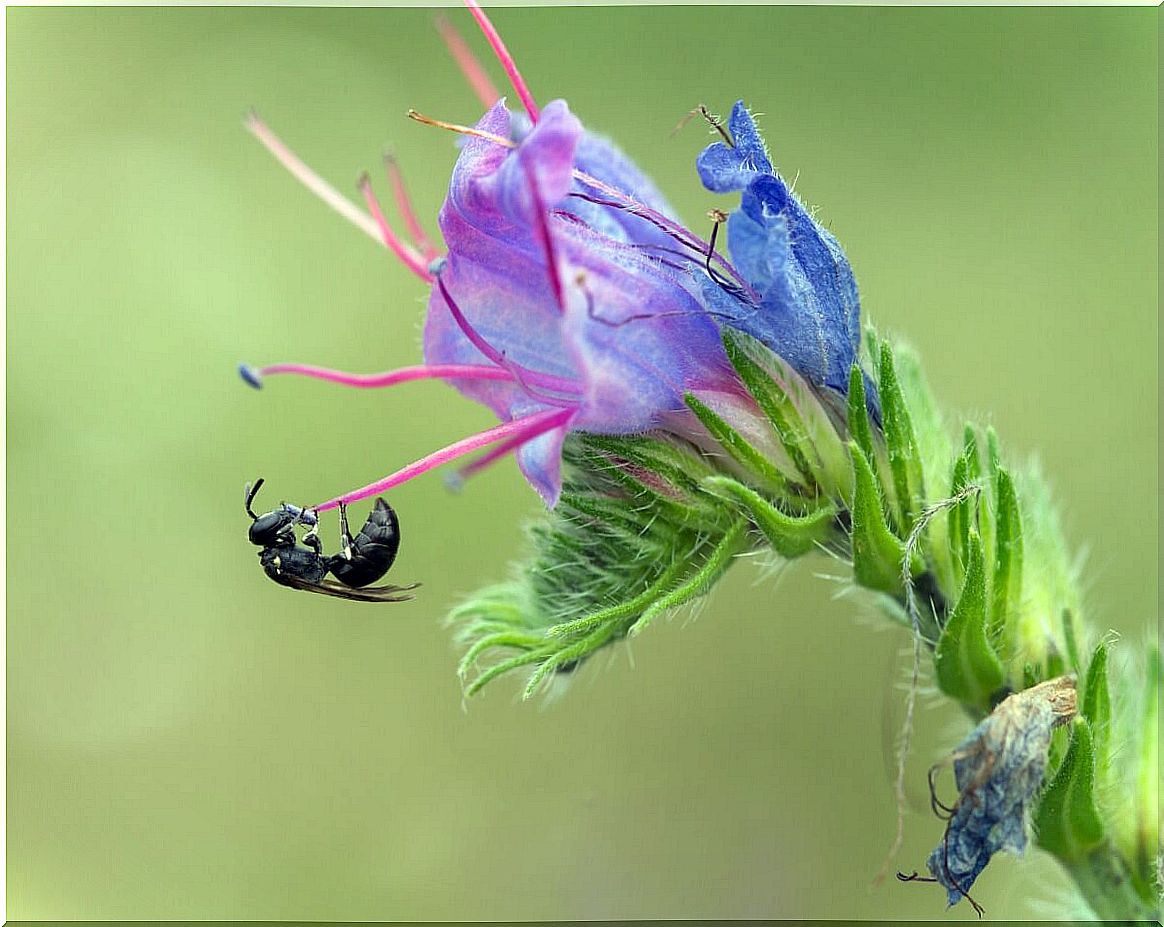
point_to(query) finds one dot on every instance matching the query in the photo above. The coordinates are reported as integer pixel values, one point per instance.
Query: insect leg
(345, 532)
(311, 539)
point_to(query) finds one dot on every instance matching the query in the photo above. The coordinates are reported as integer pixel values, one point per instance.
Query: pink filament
(505, 58)
(528, 428)
(404, 204)
(391, 377)
(620, 199)
(468, 63)
(671, 227)
(406, 253)
(544, 380)
(491, 456)
(310, 179)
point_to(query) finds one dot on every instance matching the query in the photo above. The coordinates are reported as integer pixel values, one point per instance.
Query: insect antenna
(252, 491)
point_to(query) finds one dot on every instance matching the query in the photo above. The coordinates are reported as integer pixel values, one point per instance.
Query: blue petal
(807, 291)
(809, 309)
(759, 249)
(725, 168)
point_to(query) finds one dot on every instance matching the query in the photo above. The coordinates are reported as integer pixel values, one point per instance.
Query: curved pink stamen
(407, 213)
(491, 456)
(544, 380)
(680, 233)
(408, 255)
(619, 199)
(528, 428)
(389, 378)
(468, 63)
(505, 58)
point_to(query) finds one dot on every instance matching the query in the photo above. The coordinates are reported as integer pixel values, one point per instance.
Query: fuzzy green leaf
(682, 470)
(738, 447)
(993, 454)
(621, 610)
(1096, 708)
(699, 582)
(933, 442)
(1007, 585)
(971, 452)
(877, 551)
(790, 536)
(859, 428)
(966, 665)
(1069, 640)
(775, 403)
(1068, 821)
(900, 443)
(966, 515)
(567, 655)
(961, 515)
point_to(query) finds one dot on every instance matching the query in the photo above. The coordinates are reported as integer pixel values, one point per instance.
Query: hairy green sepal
(967, 667)
(1068, 823)
(648, 523)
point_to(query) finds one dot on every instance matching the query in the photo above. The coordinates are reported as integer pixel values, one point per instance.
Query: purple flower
(571, 296)
(571, 299)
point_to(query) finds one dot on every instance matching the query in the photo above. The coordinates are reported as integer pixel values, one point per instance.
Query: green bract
(648, 523)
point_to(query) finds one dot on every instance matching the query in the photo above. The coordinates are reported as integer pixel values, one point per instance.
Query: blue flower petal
(724, 168)
(809, 309)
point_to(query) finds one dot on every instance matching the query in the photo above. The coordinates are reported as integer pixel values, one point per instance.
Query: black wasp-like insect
(362, 560)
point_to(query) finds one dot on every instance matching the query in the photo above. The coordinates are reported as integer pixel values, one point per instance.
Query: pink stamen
(404, 204)
(390, 378)
(656, 218)
(543, 229)
(539, 395)
(544, 380)
(505, 58)
(310, 179)
(408, 255)
(527, 427)
(618, 199)
(491, 456)
(468, 63)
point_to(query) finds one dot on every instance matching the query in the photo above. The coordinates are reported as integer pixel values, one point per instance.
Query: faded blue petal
(999, 769)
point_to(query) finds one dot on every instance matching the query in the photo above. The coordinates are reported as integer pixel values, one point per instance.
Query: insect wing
(340, 591)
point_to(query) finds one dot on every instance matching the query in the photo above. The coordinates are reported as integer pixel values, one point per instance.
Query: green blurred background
(187, 740)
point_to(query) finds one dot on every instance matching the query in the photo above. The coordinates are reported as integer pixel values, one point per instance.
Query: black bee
(363, 559)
